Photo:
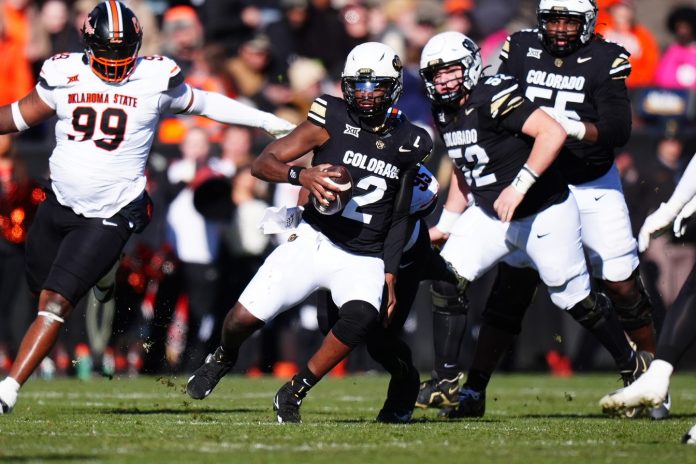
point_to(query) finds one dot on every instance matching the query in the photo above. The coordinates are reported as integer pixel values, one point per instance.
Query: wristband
(447, 220)
(575, 129)
(524, 179)
(17, 118)
(294, 175)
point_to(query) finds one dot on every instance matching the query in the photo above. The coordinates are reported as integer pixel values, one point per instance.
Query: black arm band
(294, 175)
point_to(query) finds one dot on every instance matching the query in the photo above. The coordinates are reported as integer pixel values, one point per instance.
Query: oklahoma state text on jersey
(587, 85)
(375, 161)
(104, 131)
(484, 139)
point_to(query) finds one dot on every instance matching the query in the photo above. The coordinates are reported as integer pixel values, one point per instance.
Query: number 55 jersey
(104, 131)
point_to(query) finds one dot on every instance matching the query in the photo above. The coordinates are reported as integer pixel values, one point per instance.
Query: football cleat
(287, 403)
(642, 360)
(690, 437)
(649, 390)
(471, 404)
(394, 416)
(206, 377)
(662, 411)
(436, 393)
(8, 398)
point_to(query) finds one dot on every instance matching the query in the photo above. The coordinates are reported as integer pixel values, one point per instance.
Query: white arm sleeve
(189, 100)
(686, 188)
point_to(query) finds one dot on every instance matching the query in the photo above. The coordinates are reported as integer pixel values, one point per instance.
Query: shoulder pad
(158, 71)
(420, 143)
(58, 70)
(616, 57)
(320, 108)
(500, 93)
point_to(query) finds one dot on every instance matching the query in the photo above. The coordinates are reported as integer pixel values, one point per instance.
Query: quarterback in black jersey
(496, 138)
(351, 253)
(579, 78)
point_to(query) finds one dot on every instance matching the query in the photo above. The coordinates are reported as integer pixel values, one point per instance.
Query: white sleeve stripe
(320, 100)
(620, 68)
(503, 53)
(506, 91)
(317, 118)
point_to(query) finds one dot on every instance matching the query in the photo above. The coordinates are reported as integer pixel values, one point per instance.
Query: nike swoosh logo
(109, 223)
(404, 150)
(599, 197)
(453, 390)
(584, 59)
(543, 235)
(404, 266)
(468, 111)
(449, 366)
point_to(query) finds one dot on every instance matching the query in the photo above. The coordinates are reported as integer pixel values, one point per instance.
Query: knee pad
(591, 310)
(355, 319)
(447, 299)
(638, 314)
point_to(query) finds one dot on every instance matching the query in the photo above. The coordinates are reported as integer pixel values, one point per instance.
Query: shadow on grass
(183, 410)
(49, 458)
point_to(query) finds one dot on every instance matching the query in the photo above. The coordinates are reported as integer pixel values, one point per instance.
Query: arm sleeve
(614, 111)
(514, 120)
(46, 93)
(189, 100)
(397, 235)
(686, 188)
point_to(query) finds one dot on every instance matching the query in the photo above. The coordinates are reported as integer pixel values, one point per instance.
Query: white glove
(575, 129)
(655, 224)
(682, 218)
(278, 127)
(279, 219)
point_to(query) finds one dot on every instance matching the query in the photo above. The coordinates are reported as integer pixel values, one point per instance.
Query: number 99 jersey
(376, 161)
(104, 131)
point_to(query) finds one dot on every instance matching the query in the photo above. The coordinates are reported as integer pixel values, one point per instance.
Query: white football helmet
(372, 66)
(583, 10)
(446, 49)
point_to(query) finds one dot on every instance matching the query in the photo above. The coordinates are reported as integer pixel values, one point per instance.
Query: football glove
(682, 219)
(575, 129)
(655, 224)
(277, 127)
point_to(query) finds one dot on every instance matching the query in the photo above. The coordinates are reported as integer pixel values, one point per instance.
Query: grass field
(529, 419)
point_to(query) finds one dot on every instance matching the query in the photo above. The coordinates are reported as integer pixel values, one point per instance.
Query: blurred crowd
(179, 278)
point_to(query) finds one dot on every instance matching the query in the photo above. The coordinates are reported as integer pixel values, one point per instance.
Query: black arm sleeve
(614, 111)
(397, 235)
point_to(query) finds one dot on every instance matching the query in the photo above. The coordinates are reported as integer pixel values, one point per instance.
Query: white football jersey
(104, 131)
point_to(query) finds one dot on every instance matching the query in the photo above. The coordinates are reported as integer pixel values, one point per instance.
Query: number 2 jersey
(484, 140)
(104, 131)
(376, 162)
(587, 85)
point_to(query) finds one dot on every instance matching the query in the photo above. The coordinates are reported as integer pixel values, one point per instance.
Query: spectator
(623, 28)
(16, 78)
(677, 67)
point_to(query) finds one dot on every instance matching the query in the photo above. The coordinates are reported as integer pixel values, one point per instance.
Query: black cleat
(436, 393)
(206, 377)
(471, 404)
(287, 403)
(394, 416)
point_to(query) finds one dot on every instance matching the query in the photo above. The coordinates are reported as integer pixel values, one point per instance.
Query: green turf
(529, 419)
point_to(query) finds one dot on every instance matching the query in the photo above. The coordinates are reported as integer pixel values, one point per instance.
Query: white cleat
(8, 398)
(650, 390)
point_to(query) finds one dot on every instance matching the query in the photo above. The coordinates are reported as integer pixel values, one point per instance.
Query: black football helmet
(112, 36)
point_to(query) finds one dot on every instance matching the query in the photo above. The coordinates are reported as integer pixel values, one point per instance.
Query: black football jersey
(484, 139)
(376, 162)
(589, 84)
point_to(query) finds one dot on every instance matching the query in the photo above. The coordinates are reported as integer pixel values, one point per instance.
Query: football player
(108, 101)
(351, 253)
(503, 147)
(579, 79)
(678, 332)
(419, 262)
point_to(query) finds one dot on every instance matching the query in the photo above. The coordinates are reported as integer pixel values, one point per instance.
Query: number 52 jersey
(104, 131)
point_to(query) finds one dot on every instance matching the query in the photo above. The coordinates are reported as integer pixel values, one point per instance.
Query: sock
(10, 384)
(303, 381)
(477, 380)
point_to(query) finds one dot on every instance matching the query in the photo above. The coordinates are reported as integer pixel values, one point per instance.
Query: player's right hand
(314, 180)
(655, 225)
(437, 237)
(682, 219)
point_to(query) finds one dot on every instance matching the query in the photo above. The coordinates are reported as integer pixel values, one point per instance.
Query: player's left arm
(25, 113)
(190, 100)
(548, 136)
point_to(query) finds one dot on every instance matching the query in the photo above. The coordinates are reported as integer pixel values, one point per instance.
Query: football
(344, 183)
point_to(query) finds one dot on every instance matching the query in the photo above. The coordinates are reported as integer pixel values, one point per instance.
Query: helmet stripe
(115, 19)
